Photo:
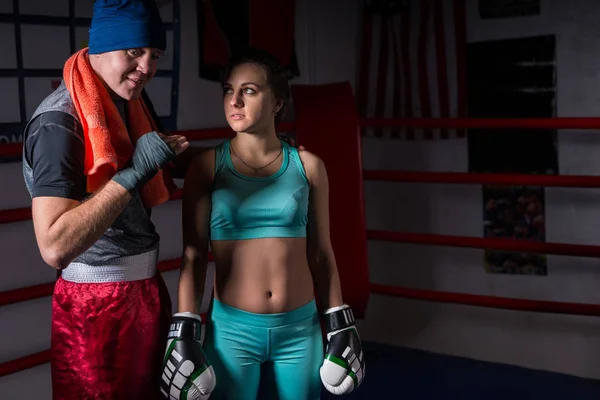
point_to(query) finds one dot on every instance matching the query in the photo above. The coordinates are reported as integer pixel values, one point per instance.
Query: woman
(264, 207)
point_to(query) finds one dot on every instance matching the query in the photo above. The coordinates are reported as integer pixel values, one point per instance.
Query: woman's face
(248, 101)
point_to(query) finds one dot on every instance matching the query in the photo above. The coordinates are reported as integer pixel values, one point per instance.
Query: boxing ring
(411, 374)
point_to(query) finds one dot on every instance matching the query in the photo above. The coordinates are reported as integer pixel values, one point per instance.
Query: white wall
(552, 342)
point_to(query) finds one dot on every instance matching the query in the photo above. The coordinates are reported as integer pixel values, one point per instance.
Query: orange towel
(108, 144)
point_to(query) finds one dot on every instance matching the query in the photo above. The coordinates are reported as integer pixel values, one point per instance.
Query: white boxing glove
(187, 374)
(344, 367)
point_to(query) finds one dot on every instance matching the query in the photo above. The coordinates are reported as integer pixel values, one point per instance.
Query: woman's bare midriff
(263, 276)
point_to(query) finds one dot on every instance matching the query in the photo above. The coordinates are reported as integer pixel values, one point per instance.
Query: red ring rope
(484, 179)
(524, 246)
(15, 215)
(19, 364)
(11, 149)
(488, 301)
(26, 293)
(483, 123)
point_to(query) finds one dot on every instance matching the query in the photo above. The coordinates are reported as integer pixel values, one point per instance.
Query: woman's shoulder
(203, 164)
(309, 158)
(206, 155)
(313, 164)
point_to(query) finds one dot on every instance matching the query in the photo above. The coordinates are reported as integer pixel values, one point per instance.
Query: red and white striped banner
(413, 65)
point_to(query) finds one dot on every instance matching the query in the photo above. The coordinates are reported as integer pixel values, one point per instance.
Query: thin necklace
(251, 167)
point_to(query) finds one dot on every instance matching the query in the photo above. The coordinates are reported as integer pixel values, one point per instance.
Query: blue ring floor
(408, 374)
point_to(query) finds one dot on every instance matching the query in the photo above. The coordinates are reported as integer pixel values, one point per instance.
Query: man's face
(126, 72)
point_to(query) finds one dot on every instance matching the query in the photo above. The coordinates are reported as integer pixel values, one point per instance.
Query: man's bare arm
(65, 228)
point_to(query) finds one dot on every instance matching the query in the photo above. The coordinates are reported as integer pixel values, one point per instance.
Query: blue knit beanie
(126, 24)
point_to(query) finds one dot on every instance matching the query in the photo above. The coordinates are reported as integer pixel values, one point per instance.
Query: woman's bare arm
(196, 206)
(321, 257)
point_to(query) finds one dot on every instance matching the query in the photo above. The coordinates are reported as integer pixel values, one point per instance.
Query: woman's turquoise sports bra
(245, 207)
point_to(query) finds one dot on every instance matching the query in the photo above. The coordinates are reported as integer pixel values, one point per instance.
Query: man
(93, 163)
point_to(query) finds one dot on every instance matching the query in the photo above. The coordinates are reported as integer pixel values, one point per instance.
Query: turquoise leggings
(280, 353)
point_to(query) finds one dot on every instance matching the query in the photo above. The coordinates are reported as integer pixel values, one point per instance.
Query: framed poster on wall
(513, 78)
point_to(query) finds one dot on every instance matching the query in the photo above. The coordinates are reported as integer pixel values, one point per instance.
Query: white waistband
(123, 269)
